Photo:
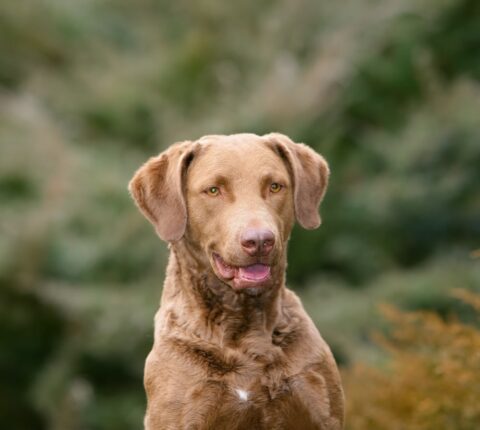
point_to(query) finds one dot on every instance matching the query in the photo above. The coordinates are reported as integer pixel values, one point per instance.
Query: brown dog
(234, 348)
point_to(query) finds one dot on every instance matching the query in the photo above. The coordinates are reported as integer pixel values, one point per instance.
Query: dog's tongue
(255, 272)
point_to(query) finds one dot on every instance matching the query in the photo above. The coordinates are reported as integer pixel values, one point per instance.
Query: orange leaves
(432, 380)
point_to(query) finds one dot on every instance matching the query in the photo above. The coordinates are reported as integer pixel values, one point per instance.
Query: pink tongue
(255, 272)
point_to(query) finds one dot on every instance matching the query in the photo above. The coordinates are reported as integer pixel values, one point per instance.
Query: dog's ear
(157, 188)
(309, 172)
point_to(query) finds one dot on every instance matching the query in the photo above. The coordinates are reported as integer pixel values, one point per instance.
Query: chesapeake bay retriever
(234, 348)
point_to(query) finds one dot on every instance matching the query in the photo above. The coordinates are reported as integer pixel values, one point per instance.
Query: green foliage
(387, 91)
(346, 317)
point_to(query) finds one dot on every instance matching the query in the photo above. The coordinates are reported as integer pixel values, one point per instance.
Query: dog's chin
(251, 279)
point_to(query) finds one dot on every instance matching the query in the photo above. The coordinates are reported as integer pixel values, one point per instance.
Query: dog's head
(234, 199)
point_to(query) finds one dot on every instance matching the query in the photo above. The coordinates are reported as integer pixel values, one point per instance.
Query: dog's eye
(213, 191)
(275, 187)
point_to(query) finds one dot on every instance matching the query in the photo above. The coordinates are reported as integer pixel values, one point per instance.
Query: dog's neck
(212, 308)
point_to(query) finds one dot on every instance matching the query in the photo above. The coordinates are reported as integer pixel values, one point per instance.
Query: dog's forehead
(236, 152)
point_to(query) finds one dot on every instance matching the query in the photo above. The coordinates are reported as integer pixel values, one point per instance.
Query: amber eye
(213, 191)
(275, 187)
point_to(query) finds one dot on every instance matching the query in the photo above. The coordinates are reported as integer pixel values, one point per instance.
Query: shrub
(432, 380)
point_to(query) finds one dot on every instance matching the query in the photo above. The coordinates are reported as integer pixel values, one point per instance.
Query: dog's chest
(255, 399)
(253, 386)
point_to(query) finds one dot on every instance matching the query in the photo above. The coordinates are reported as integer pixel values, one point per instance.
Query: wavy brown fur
(225, 358)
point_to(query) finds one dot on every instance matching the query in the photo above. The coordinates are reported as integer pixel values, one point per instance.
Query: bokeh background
(388, 91)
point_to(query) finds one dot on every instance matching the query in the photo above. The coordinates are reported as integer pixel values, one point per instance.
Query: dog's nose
(257, 241)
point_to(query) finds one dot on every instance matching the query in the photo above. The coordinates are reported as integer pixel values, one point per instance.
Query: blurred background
(388, 91)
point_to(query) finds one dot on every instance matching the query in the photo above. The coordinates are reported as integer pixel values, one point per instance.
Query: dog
(233, 347)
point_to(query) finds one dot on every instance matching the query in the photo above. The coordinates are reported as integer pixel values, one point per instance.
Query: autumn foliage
(432, 380)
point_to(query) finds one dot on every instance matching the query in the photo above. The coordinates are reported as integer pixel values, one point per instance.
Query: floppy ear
(157, 188)
(309, 172)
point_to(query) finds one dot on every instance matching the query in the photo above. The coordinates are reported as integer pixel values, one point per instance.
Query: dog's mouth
(253, 275)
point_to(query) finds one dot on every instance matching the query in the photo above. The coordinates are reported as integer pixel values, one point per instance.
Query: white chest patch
(242, 394)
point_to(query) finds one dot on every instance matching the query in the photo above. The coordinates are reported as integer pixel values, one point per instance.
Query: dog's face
(235, 199)
(240, 209)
